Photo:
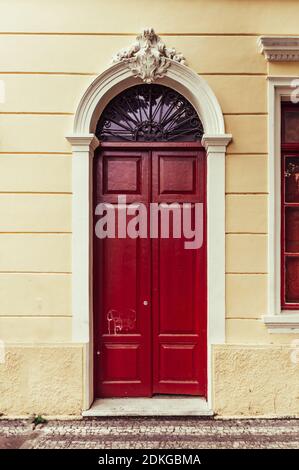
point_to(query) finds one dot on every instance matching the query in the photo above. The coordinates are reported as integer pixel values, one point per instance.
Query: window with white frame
(289, 206)
(283, 207)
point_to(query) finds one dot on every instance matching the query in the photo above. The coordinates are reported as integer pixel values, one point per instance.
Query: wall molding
(106, 86)
(284, 323)
(279, 48)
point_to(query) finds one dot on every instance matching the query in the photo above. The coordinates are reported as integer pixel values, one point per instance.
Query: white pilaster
(216, 148)
(83, 149)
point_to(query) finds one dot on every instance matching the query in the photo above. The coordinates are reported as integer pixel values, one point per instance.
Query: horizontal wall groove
(38, 113)
(242, 318)
(248, 319)
(36, 153)
(239, 193)
(246, 233)
(237, 74)
(245, 114)
(118, 34)
(246, 153)
(48, 73)
(55, 232)
(264, 154)
(90, 74)
(63, 193)
(253, 193)
(246, 273)
(128, 34)
(36, 272)
(35, 316)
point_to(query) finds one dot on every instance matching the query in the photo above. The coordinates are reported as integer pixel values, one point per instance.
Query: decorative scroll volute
(148, 57)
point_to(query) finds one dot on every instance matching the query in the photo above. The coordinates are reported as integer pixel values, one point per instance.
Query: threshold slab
(156, 406)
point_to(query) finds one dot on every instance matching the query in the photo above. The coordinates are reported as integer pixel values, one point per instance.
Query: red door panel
(179, 282)
(122, 172)
(177, 176)
(121, 284)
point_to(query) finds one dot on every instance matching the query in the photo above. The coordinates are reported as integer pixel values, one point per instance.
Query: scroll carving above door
(148, 57)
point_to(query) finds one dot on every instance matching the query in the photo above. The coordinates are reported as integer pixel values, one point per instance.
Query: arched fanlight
(149, 113)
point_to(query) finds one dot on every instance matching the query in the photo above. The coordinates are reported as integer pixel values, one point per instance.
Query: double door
(149, 289)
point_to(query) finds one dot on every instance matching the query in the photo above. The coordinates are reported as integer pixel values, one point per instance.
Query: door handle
(145, 302)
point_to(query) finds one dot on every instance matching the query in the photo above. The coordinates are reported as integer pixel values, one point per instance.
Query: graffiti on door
(121, 321)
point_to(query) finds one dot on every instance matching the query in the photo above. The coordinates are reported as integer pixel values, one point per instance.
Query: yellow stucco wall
(255, 381)
(43, 378)
(48, 57)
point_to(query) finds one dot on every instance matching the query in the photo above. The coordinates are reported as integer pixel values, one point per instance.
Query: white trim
(279, 48)
(82, 148)
(279, 88)
(111, 82)
(216, 147)
(285, 323)
(82, 320)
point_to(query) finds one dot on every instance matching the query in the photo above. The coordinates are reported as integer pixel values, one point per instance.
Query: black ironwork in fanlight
(149, 113)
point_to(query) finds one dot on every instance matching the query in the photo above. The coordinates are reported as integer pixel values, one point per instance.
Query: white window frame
(277, 320)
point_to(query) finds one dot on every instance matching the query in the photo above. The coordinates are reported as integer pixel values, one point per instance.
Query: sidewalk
(149, 433)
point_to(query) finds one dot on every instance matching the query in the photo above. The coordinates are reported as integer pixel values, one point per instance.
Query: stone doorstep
(156, 406)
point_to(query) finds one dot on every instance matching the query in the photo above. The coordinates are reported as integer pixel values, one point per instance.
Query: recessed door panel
(176, 176)
(177, 364)
(177, 291)
(122, 174)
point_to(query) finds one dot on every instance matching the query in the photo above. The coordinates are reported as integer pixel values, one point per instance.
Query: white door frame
(106, 86)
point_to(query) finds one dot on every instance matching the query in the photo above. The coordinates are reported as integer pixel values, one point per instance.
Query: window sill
(282, 323)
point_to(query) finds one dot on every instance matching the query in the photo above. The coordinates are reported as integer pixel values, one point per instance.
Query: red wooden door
(122, 283)
(158, 348)
(179, 281)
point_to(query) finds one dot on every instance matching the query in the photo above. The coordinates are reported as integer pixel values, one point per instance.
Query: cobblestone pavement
(151, 433)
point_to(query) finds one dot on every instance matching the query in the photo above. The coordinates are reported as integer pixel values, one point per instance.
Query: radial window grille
(149, 113)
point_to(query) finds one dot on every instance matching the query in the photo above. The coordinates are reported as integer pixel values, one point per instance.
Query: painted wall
(49, 54)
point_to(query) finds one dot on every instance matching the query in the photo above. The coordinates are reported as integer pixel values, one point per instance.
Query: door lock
(145, 302)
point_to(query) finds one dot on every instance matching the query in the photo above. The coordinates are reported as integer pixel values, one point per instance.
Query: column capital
(83, 142)
(216, 143)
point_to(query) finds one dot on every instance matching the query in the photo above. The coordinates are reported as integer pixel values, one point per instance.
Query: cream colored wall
(48, 57)
(255, 381)
(42, 379)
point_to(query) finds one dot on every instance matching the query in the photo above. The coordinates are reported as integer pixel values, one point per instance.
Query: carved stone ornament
(148, 57)
(279, 48)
